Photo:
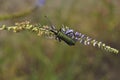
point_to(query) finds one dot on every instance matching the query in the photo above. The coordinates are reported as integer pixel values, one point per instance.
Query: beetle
(60, 34)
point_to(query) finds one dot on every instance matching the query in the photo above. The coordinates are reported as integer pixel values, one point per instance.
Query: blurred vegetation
(25, 56)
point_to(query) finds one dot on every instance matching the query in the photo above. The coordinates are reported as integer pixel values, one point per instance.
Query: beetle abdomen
(66, 38)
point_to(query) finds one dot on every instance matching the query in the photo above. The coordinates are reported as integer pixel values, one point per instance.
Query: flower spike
(65, 34)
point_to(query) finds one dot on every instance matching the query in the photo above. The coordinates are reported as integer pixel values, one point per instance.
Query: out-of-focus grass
(25, 56)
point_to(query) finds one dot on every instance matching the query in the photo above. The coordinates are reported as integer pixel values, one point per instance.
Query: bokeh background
(25, 56)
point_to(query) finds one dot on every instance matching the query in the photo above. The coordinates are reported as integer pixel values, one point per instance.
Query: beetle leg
(57, 38)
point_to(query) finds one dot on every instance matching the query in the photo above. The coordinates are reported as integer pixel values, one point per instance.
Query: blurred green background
(25, 56)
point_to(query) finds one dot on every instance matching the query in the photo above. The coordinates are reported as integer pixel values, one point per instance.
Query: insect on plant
(70, 37)
(60, 35)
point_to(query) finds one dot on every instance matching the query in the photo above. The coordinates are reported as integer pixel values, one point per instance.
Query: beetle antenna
(51, 25)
